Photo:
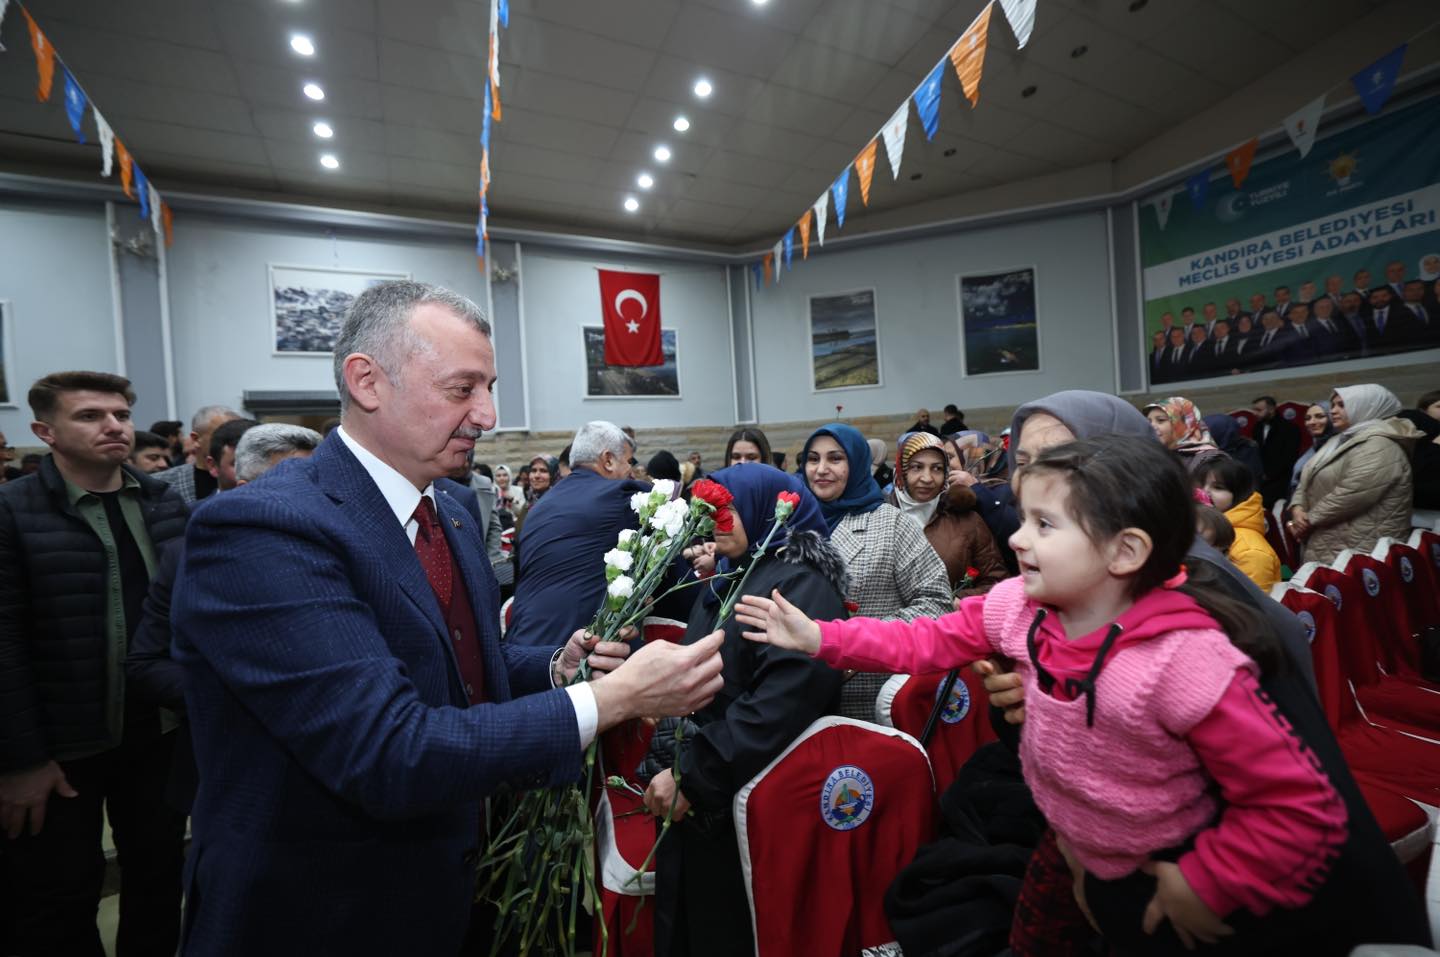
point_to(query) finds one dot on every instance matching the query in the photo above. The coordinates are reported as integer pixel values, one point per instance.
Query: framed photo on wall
(631, 382)
(7, 351)
(999, 322)
(844, 341)
(308, 303)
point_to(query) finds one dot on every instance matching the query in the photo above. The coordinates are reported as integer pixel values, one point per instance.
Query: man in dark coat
(1279, 443)
(81, 537)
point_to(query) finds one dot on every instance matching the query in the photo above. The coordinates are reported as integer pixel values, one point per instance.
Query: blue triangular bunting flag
(142, 191)
(1376, 82)
(75, 104)
(1198, 186)
(505, 13)
(485, 122)
(789, 246)
(841, 190)
(927, 100)
(757, 269)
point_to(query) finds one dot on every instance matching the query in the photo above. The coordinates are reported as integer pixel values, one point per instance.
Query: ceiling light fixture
(951, 151)
(323, 130)
(1029, 91)
(314, 91)
(329, 161)
(662, 154)
(681, 124)
(645, 181)
(1137, 5)
(302, 44)
(759, 3)
(703, 88)
(915, 176)
(1079, 51)
(632, 205)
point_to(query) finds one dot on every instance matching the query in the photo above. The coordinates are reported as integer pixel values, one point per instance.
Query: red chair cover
(1416, 580)
(823, 831)
(1389, 616)
(1246, 420)
(1294, 413)
(1427, 544)
(905, 703)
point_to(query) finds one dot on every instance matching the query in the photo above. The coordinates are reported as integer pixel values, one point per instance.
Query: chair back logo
(957, 706)
(1407, 570)
(1332, 592)
(1308, 620)
(1371, 580)
(847, 798)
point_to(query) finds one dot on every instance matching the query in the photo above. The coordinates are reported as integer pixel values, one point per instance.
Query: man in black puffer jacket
(80, 538)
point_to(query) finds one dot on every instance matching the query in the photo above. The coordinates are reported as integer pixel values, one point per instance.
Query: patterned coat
(894, 573)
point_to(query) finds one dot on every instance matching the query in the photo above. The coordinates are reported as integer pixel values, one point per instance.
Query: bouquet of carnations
(538, 862)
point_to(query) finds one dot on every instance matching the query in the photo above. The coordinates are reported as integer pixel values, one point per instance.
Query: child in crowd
(1212, 525)
(1144, 721)
(1231, 487)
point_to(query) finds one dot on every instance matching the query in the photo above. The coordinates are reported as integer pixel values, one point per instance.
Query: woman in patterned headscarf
(1180, 426)
(947, 513)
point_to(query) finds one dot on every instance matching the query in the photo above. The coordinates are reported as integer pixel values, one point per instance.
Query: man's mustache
(467, 433)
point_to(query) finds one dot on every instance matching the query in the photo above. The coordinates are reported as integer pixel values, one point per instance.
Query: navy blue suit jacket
(562, 548)
(341, 772)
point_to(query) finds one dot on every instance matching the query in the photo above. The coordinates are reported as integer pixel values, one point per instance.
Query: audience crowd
(100, 706)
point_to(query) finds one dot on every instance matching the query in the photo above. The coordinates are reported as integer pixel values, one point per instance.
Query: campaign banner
(1315, 258)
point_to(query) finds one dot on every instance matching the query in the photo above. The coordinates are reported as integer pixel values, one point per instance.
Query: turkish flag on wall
(630, 302)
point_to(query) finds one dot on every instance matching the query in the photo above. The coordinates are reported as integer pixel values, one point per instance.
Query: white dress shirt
(403, 497)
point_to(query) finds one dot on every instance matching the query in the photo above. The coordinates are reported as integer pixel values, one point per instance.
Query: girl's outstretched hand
(777, 622)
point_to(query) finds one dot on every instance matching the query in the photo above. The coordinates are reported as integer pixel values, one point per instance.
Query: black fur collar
(813, 549)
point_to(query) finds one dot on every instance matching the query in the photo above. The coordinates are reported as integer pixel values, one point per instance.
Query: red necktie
(433, 552)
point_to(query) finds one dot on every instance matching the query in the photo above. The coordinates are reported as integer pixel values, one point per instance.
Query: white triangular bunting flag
(822, 209)
(495, 42)
(1162, 209)
(155, 222)
(3, 5)
(1021, 14)
(1302, 124)
(778, 253)
(894, 134)
(107, 142)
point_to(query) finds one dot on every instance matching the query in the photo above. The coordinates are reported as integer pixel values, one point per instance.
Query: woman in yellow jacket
(1232, 488)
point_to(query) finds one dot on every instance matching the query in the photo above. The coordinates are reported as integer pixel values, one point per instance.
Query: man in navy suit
(350, 701)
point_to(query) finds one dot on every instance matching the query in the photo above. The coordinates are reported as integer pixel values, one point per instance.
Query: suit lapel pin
(455, 522)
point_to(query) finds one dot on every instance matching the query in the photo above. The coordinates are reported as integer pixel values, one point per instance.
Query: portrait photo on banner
(1333, 255)
(844, 341)
(999, 322)
(6, 353)
(630, 382)
(308, 303)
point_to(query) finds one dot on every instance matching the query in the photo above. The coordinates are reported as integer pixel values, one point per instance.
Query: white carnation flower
(665, 487)
(639, 502)
(626, 534)
(622, 587)
(670, 517)
(615, 558)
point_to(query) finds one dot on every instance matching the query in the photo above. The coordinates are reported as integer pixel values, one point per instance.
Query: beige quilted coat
(1363, 493)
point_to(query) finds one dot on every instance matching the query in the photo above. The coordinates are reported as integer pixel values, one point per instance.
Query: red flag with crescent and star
(630, 302)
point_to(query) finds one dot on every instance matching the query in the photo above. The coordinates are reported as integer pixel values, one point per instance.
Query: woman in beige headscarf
(1358, 488)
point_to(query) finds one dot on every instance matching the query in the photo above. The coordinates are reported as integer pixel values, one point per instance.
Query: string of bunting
(1374, 85)
(136, 184)
(499, 17)
(966, 57)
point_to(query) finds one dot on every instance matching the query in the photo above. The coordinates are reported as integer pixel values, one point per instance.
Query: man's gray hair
(596, 438)
(378, 324)
(205, 414)
(260, 445)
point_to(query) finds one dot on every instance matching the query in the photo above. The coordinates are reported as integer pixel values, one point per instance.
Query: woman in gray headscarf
(1359, 487)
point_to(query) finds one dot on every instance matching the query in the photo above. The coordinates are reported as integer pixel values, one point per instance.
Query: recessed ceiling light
(645, 180)
(632, 205)
(1137, 5)
(915, 176)
(703, 88)
(951, 151)
(759, 3)
(1029, 91)
(323, 130)
(329, 161)
(302, 44)
(662, 154)
(681, 124)
(314, 91)
(1079, 51)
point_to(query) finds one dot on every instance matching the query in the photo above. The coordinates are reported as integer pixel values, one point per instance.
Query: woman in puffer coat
(1359, 487)
(1232, 488)
(948, 515)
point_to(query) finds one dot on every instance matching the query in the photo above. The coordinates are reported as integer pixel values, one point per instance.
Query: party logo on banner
(847, 798)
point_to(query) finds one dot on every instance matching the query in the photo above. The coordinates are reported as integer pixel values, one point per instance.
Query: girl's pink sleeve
(921, 646)
(1283, 824)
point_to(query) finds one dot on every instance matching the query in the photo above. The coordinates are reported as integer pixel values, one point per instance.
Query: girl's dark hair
(1229, 474)
(1214, 521)
(1121, 481)
(753, 436)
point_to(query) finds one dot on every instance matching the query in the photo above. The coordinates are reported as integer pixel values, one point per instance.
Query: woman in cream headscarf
(1358, 488)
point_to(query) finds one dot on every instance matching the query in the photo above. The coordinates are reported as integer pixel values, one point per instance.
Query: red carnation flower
(790, 498)
(717, 497)
(972, 573)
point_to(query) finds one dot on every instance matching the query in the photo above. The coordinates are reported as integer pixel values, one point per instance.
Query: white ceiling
(206, 93)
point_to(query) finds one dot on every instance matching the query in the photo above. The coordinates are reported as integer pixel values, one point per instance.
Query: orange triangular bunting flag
(169, 220)
(1238, 161)
(805, 235)
(44, 58)
(769, 262)
(494, 86)
(865, 168)
(968, 55)
(127, 172)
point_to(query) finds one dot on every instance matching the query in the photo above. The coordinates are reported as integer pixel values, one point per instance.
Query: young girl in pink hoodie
(1143, 720)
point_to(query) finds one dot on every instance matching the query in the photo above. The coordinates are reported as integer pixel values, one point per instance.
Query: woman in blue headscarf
(894, 572)
(769, 697)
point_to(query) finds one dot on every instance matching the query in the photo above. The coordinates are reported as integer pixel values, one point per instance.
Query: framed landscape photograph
(6, 352)
(630, 382)
(308, 303)
(844, 341)
(999, 327)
